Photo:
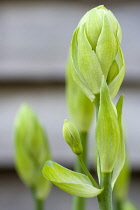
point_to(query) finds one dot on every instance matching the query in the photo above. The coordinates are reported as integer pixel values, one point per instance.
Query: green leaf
(107, 131)
(75, 73)
(107, 46)
(120, 160)
(69, 181)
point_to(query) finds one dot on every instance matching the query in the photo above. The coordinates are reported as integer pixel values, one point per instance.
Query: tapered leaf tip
(121, 99)
(66, 121)
(101, 7)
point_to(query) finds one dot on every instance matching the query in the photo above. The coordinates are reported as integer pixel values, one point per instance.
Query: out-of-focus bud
(80, 107)
(129, 206)
(72, 137)
(96, 51)
(31, 151)
(122, 183)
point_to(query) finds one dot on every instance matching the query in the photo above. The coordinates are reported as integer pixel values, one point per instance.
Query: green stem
(38, 202)
(105, 198)
(87, 172)
(78, 202)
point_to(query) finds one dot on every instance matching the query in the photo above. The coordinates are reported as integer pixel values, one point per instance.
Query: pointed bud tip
(49, 163)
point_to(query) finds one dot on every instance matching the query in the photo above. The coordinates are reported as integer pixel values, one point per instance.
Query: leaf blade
(69, 181)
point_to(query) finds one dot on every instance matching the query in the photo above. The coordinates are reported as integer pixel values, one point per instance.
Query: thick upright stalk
(78, 202)
(105, 198)
(39, 204)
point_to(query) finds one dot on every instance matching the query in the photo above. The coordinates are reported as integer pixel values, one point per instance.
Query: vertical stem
(39, 205)
(78, 202)
(105, 198)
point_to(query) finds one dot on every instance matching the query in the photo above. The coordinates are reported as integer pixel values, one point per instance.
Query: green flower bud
(96, 51)
(80, 107)
(72, 137)
(31, 151)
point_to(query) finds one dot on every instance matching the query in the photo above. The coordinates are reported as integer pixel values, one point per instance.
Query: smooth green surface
(69, 181)
(105, 198)
(115, 84)
(96, 51)
(76, 75)
(120, 160)
(79, 106)
(72, 137)
(107, 46)
(107, 131)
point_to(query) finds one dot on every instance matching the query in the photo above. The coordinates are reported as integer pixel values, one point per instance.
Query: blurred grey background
(34, 43)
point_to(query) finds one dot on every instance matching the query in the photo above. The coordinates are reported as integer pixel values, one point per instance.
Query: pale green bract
(31, 151)
(96, 51)
(69, 181)
(120, 160)
(108, 134)
(81, 109)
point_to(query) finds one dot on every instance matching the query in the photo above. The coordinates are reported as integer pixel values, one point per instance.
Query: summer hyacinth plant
(31, 151)
(98, 69)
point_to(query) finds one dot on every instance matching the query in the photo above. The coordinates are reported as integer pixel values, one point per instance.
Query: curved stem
(87, 172)
(78, 202)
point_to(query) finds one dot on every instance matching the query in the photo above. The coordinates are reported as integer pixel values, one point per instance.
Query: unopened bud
(72, 137)
(31, 151)
(96, 51)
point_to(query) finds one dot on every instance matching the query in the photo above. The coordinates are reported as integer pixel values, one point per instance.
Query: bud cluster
(96, 52)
